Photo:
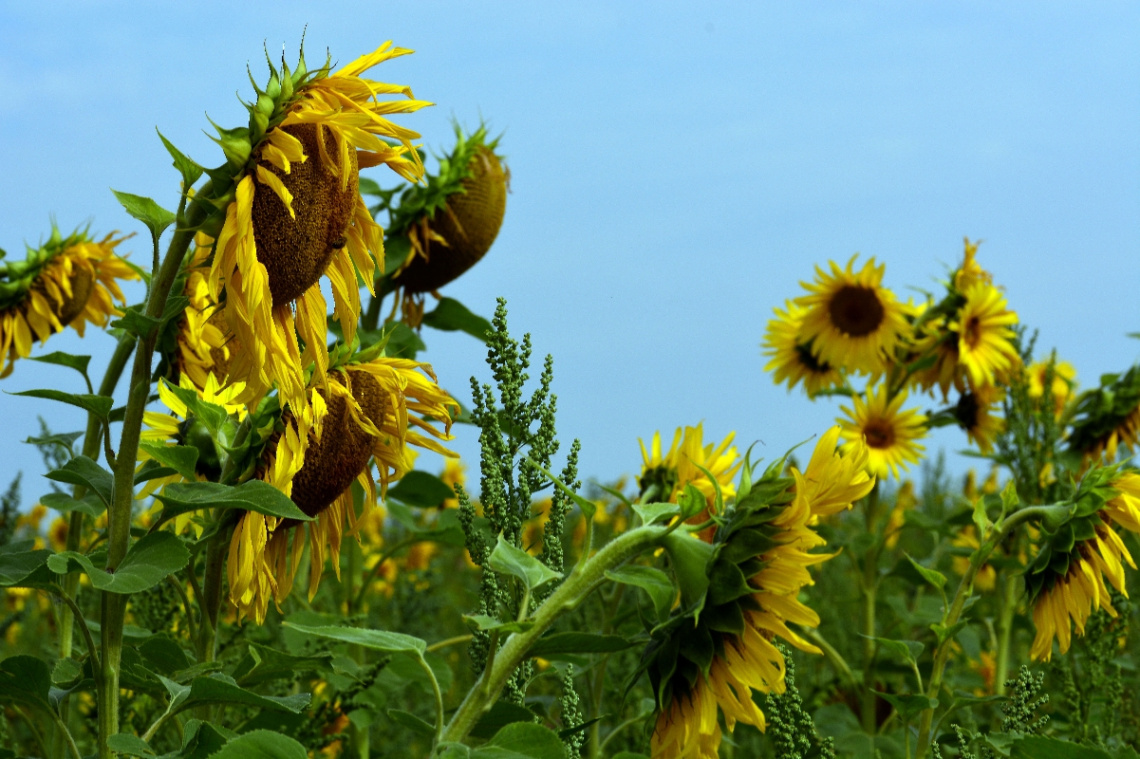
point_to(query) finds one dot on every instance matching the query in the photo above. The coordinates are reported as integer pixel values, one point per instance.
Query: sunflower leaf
(932, 576)
(61, 502)
(146, 564)
(155, 217)
(377, 640)
(522, 740)
(180, 458)
(654, 582)
(191, 172)
(253, 495)
(556, 644)
(451, 316)
(78, 363)
(421, 489)
(136, 323)
(508, 559)
(18, 566)
(86, 472)
(99, 405)
(26, 680)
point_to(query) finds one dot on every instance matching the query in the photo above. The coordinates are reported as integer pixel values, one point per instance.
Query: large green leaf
(147, 562)
(421, 489)
(451, 315)
(262, 744)
(180, 458)
(1040, 747)
(155, 217)
(90, 504)
(131, 745)
(508, 559)
(501, 714)
(99, 405)
(253, 495)
(86, 472)
(189, 170)
(25, 680)
(78, 363)
(522, 740)
(377, 640)
(262, 664)
(18, 566)
(221, 689)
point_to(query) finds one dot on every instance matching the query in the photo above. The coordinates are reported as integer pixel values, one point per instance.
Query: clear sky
(677, 169)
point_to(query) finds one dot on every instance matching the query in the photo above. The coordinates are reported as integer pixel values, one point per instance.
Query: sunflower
(449, 223)
(672, 472)
(296, 214)
(204, 347)
(852, 321)
(974, 413)
(1061, 378)
(1108, 417)
(985, 340)
(905, 500)
(716, 650)
(792, 356)
(945, 372)
(1066, 580)
(967, 541)
(67, 281)
(370, 411)
(970, 272)
(890, 433)
(832, 481)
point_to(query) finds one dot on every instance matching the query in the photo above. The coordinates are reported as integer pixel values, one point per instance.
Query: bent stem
(582, 581)
(114, 606)
(942, 652)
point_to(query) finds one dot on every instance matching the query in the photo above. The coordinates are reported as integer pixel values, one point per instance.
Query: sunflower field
(250, 558)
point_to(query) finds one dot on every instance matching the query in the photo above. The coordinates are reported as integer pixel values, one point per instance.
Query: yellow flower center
(856, 311)
(296, 251)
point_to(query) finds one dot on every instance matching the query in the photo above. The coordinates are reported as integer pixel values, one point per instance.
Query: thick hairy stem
(1010, 583)
(965, 588)
(114, 606)
(870, 586)
(211, 599)
(573, 590)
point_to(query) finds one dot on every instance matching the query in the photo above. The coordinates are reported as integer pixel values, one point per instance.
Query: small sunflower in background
(851, 321)
(446, 225)
(890, 433)
(671, 472)
(1066, 581)
(1108, 418)
(293, 213)
(67, 281)
(977, 412)
(1059, 376)
(371, 410)
(985, 340)
(792, 357)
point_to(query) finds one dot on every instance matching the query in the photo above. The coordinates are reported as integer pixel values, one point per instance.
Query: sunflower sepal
(692, 560)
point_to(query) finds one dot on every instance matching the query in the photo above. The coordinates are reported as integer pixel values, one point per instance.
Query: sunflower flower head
(986, 347)
(1059, 376)
(1065, 583)
(851, 320)
(792, 358)
(447, 224)
(292, 213)
(977, 413)
(1108, 417)
(67, 281)
(685, 464)
(834, 480)
(970, 272)
(371, 412)
(890, 433)
(739, 594)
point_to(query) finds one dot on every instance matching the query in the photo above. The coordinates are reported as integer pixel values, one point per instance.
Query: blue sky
(677, 169)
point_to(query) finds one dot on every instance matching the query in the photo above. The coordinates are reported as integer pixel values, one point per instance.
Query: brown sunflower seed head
(333, 462)
(82, 285)
(469, 222)
(297, 251)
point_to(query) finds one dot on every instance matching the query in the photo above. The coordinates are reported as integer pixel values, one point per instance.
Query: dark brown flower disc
(856, 311)
(296, 251)
(470, 222)
(82, 284)
(333, 462)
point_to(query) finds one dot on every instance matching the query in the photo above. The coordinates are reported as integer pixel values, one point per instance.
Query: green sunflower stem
(965, 588)
(582, 581)
(211, 601)
(870, 586)
(114, 606)
(1010, 583)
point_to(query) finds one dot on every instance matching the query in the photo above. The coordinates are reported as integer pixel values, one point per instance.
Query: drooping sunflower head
(1066, 579)
(792, 357)
(293, 213)
(67, 281)
(851, 320)
(986, 343)
(739, 594)
(370, 413)
(1108, 417)
(890, 433)
(450, 222)
(937, 346)
(833, 481)
(977, 412)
